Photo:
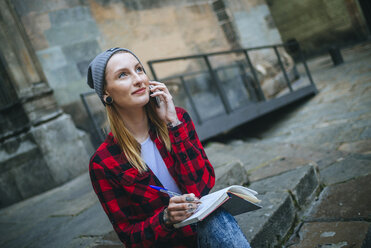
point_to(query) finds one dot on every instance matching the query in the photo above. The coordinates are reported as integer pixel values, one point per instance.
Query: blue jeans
(220, 229)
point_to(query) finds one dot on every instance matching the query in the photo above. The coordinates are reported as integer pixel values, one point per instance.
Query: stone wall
(67, 34)
(254, 23)
(317, 24)
(40, 147)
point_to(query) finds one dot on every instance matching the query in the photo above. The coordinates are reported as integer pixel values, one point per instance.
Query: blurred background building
(46, 47)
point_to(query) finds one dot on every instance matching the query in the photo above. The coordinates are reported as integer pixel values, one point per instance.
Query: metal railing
(232, 117)
(97, 129)
(254, 84)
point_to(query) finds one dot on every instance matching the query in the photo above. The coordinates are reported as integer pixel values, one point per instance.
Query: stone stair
(294, 183)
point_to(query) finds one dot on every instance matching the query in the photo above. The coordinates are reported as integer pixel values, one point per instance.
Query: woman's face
(126, 81)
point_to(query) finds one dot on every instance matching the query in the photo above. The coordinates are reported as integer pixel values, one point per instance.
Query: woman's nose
(138, 79)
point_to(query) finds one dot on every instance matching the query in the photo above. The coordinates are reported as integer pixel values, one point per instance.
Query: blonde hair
(128, 144)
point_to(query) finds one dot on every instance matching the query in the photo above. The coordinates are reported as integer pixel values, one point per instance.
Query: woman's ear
(105, 94)
(107, 98)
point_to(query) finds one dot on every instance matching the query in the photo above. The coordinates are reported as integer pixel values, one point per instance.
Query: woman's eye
(122, 74)
(139, 69)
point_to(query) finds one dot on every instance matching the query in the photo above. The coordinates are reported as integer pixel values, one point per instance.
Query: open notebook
(235, 199)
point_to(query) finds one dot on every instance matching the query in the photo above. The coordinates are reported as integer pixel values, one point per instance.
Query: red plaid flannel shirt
(136, 210)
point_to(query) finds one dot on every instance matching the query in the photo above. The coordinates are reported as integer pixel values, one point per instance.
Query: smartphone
(156, 98)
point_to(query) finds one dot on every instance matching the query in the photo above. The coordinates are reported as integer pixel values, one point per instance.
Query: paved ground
(310, 163)
(329, 133)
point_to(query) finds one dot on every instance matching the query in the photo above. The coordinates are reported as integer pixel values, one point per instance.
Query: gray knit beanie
(97, 68)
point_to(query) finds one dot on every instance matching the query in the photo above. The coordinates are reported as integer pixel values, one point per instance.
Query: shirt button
(176, 134)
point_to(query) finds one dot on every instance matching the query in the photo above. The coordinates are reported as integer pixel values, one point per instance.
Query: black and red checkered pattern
(136, 210)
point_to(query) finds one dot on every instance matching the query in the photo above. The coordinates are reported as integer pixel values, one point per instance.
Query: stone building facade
(67, 34)
(319, 24)
(40, 146)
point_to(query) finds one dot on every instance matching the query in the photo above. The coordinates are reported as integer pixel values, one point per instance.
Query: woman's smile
(139, 91)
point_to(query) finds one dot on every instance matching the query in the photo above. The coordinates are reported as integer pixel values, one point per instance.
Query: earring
(109, 100)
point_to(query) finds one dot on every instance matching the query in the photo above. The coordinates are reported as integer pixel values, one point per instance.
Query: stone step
(285, 182)
(300, 182)
(67, 216)
(232, 173)
(266, 159)
(17, 155)
(344, 169)
(339, 218)
(333, 234)
(282, 197)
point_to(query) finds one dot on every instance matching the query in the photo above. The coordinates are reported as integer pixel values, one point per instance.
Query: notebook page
(207, 202)
(241, 190)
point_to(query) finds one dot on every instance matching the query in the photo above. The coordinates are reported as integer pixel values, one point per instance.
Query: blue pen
(170, 193)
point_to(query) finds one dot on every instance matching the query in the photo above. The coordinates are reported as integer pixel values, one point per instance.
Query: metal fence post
(261, 94)
(219, 88)
(90, 114)
(302, 57)
(189, 95)
(282, 68)
(152, 70)
(246, 82)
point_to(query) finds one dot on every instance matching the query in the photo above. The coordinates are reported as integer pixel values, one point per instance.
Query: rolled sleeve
(193, 167)
(178, 134)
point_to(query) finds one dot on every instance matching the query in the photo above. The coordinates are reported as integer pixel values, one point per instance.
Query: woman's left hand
(166, 111)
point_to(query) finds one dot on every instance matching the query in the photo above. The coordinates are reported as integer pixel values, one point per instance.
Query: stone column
(40, 146)
(226, 23)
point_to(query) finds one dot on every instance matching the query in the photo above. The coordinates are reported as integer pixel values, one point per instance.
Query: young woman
(151, 144)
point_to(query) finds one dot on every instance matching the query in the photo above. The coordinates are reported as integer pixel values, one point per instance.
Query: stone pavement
(310, 163)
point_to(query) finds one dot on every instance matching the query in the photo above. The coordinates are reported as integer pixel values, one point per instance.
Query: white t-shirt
(153, 159)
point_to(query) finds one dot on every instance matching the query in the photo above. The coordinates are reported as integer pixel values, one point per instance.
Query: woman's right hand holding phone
(166, 110)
